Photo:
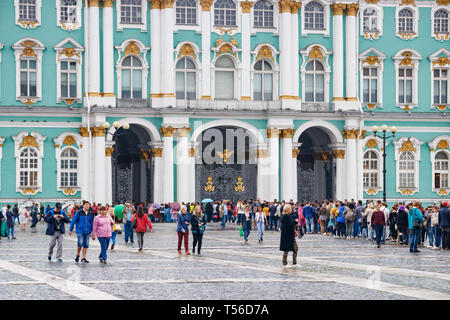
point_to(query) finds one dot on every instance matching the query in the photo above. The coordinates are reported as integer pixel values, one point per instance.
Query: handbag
(116, 227)
(135, 223)
(241, 233)
(417, 224)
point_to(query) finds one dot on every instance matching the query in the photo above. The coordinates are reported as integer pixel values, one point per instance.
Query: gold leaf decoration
(187, 50)
(371, 143)
(69, 140)
(209, 186)
(406, 192)
(69, 192)
(407, 60)
(315, 53)
(226, 48)
(31, 191)
(443, 144)
(264, 53)
(372, 192)
(239, 186)
(441, 61)
(407, 146)
(371, 60)
(443, 192)
(29, 141)
(408, 3)
(157, 152)
(295, 153)
(132, 48)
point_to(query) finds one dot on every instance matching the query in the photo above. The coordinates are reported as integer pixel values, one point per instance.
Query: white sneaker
(429, 247)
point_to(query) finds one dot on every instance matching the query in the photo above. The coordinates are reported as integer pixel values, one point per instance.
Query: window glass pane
(319, 88)
(32, 84)
(224, 85)
(258, 65)
(408, 91)
(137, 84)
(444, 91)
(190, 85)
(401, 91)
(32, 64)
(436, 88)
(73, 85)
(64, 87)
(180, 85)
(63, 65)
(373, 90)
(190, 64)
(268, 86)
(366, 90)
(126, 83)
(309, 87)
(257, 90)
(180, 64)
(24, 84)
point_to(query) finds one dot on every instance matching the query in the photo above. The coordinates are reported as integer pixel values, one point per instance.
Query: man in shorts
(83, 219)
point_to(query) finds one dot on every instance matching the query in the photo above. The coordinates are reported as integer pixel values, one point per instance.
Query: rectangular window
(224, 86)
(28, 78)
(68, 11)
(27, 10)
(405, 83)
(440, 86)
(131, 11)
(68, 79)
(370, 85)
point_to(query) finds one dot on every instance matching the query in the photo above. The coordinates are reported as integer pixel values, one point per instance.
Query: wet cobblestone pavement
(227, 269)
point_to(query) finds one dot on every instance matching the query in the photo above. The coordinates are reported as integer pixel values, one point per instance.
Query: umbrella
(207, 200)
(156, 205)
(175, 206)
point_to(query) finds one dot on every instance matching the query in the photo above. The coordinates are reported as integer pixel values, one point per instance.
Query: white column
(84, 164)
(338, 52)
(94, 54)
(360, 150)
(108, 172)
(99, 176)
(108, 54)
(155, 53)
(245, 29)
(285, 49)
(157, 175)
(191, 169)
(274, 163)
(287, 179)
(143, 181)
(339, 155)
(351, 136)
(167, 164)
(183, 160)
(261, 174)
(206, 49)
(295, 48)
(295, 152)
(351, 61)
(167, 54)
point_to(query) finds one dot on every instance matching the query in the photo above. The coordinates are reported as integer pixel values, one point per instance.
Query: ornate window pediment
(407, 157)
(371, 25)
(440, 164)
(371, 78)
(67, 153)
(406, 63)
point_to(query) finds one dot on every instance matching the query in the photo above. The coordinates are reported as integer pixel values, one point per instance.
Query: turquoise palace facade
(115, 100)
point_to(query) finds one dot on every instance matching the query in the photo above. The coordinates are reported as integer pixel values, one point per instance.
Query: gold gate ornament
(225, 155)
(239, 187)
(209, 186)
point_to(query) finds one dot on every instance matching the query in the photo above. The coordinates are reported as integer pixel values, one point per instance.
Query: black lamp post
(383, 136)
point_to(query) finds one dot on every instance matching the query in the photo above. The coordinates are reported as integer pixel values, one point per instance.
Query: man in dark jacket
(209, 211)
(308, 212)
(402, 225)
(287, 236)
(15, 212)
(10, 222)
(444, 223)
(34, 215)
(55, 229)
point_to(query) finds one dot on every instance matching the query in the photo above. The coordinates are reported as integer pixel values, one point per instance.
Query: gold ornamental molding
(246, 6)
(209, 186)
(167, 131)
(157, 152)
(371, 143)
(28, 101)
(443, 192)
(338, 9)
(405, 192)
(29, 141)
(352, 9)
(239, 186)
(262, 153)
(285, 6)
(31, 191)
(155, 4)
(69, 102)
(363, 133)
(27, 24)
(350, 133)
(371, 192)
(338, 99)
(93, 3)
(57, 145)
(442, 2)
(68, 52)
(28, 50)
(183, 132)
(108, 3)
(371, 35)
(288, 97)
(84, 132)
(407, 36)
(98, 131)
(315, 53)
(167, 4)
(371, 60)
(407, 60)
(372, 1)
(442, 145)
(206, 5)
(351, 99)
(441, 61)
(441, 36)
(109, 151)
(226, 48)
(247, 98)
(69, 192)
(286, 133)
(295, 7)
(69, 140)
(442, 107)
(371, 106)
(187, 50)
(264, 53)
(132, 48)
(191, 152)
(206, 98)
(295, 153)
(408, 3)
(407, 146)
(339, 154)
(272, 133)
(145, 154)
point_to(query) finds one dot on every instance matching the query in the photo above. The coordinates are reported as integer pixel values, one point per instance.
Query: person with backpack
(140, 221)
(349, 215)
(198, 223)
(415, 224)
(83, 220)
(56, 219)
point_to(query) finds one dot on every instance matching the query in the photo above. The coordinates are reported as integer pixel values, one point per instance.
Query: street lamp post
(384, 129)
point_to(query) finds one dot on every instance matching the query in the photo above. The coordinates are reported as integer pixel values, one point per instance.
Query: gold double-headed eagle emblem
(225, 155)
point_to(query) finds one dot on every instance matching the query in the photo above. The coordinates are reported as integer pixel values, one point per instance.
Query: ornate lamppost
(384, 129)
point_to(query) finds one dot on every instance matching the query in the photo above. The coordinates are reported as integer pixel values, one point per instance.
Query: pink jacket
(102, 227)
(301, 217)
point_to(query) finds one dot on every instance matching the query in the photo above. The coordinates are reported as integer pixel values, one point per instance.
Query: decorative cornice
(157, 152)
(272, 133)
(246, 6)
(352, 9)
(286, 133)
(84, 131)
(206, 5)
(167, 131)
(338, 9)
(408, 3)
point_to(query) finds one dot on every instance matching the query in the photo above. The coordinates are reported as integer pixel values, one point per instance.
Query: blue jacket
(340, 217)
(182, 218)
(414, 213)
(51, 222)
(444, 217)
(308, 212)
(84, 222)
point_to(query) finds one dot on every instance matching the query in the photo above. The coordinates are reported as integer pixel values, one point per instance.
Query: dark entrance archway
(226, 165)
(132, 165)
(315, 166)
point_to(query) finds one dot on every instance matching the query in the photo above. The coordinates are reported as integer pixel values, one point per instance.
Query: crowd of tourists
(407, 224)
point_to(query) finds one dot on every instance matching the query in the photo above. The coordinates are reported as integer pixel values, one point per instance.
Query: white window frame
(376, 60)
(437, 61)
(69, 53)
(196, 71)
(237, 15)
(18, 139)
(275, 68)
(378, 148)
(122, 53)
(69, 26)
(326, 30)
(142, 26)
(198, 17)
(371, 34)
(274, 29)
(326, 54)
(34, 48)
(236, 73)
(25, 23)
(433, 144)
(416, 145)
(60, 146)
(263, 72)
(253, 15)
(415, 33)
(401, 59)
(370, 171)
(441, 36)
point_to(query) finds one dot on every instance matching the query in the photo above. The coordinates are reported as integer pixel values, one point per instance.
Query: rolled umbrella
(207, 200)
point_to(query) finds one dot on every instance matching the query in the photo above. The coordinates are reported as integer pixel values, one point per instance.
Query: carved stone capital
(287, 133)
(98, 131)
(272, 133)
(206, 5)
(339, 154)
(84, 131)
(246, 6)
(167, 131)
(338, 9)
(157, 152)
(352, 9)
(183, 132)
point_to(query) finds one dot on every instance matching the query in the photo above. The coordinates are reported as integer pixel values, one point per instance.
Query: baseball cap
(445, 203)
(58, 205)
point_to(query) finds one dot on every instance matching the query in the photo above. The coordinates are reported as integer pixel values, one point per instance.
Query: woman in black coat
(287, 239)
(402, 225)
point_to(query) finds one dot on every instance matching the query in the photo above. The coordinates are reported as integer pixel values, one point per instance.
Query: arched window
(131, 78)
(186, 12)
(441, 21)
(314, 81)
(69, 168)
(28, 168)
(370, 16)
(407, 169)
(263, 81)
(224, 13)
(224, 78)
(263, 14)
(186, 79)
(441, 170)
(314, 16)
(406, 21)
(370, 169)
